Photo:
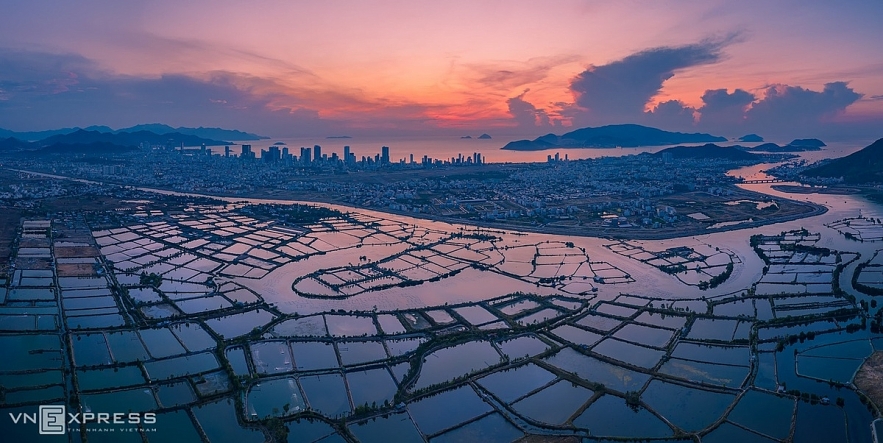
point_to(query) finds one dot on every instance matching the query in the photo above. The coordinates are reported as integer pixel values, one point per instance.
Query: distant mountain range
(83, 136)
(156, 128)
(611, 136)
(82, 141)
(865, 166)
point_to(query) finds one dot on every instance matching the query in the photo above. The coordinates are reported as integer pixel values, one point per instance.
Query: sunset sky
(304, 68)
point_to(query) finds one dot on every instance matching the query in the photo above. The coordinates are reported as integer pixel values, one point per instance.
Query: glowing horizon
(414, 67)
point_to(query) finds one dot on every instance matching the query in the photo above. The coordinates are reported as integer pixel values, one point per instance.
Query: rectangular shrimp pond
(253, 322)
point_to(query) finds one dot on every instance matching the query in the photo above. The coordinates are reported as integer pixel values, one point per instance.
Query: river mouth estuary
(253, 320)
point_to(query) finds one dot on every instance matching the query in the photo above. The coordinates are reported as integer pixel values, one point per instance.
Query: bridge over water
(768, 180)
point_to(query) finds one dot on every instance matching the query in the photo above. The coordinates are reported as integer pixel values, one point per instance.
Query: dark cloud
(619, 91)
(509, 75)
(719, 99)
(672, 115)
(526, 114)
(42, 91)
(785, 109)
(33, 74)
(724, 112)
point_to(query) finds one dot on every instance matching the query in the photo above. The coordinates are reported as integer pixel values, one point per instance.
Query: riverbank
(832, 190)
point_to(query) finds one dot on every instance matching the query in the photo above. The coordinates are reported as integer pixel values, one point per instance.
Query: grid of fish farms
(161, 310)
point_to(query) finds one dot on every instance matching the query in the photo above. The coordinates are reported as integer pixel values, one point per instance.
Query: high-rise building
(246, 152)
(272, 154)
(317, 153)
(384, 155)
(226, 151)
(346, 154)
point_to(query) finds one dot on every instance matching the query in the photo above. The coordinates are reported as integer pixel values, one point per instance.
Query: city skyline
(788, 69)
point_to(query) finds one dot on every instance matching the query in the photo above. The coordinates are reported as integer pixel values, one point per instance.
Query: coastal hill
(611, 136)
(708, 151)
(864, 166)
(155, 128)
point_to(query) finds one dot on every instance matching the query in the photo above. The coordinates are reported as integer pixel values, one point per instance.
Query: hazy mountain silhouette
(611, 136)
(99, 143)
(129, 139)
(211, 133)
(35, 135)
(155, 128)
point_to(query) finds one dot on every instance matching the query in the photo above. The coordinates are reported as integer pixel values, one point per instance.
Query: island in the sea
(798, 145)
(751, 138)
(611, 136)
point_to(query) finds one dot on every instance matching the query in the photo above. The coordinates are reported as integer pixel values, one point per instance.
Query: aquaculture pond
(237, 323)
